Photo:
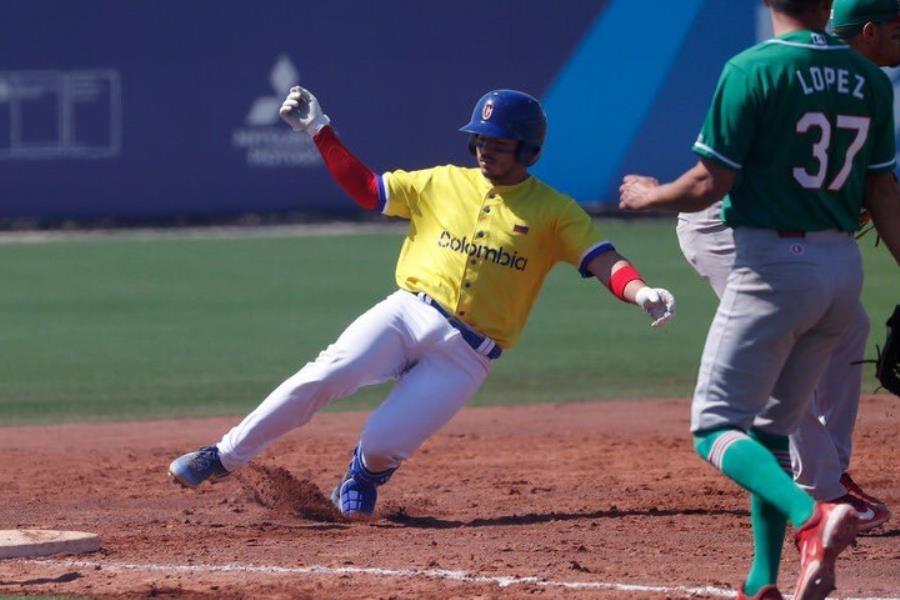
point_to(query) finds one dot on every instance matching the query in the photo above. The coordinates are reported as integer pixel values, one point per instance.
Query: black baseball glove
(887, 365)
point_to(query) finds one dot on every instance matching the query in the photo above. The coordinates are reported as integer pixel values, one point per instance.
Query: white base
(24, 543)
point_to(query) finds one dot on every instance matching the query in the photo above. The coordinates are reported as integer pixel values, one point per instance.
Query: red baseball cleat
(872, 512)
(770, 592)
(868, 514)
(831, 529)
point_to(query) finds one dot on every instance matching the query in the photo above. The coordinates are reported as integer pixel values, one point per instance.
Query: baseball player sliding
(479, 245)
(799, 136)
(821, 445)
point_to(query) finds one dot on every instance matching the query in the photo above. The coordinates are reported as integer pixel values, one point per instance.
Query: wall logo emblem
(487, 111)
(266, 141)
(60, 115)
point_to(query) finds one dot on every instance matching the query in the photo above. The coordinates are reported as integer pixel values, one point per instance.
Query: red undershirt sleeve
(354, 177)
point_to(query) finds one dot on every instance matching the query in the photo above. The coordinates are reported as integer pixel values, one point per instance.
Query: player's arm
(699, 187)
(882, 199)
(303, 113)
(624, 281)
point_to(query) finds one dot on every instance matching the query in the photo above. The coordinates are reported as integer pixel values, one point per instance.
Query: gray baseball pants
(821, 444)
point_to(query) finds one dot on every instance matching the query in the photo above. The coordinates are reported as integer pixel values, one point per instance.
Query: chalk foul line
(459, 576)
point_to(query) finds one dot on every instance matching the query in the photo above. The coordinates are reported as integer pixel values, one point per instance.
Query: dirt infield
(601, 500)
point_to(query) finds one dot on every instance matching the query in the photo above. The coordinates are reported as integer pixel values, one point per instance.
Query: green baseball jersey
(804, 119)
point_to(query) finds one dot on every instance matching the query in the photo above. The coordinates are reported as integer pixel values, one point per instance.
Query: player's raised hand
(302, 111)
(658, 303)
(634, 191)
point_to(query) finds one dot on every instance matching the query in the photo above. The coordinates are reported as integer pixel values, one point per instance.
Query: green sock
(769, 526)
(753, 467)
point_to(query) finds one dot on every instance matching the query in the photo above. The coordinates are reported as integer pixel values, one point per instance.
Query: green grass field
(123, 329)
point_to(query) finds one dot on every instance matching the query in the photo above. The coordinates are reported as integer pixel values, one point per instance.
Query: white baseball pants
(400, 338)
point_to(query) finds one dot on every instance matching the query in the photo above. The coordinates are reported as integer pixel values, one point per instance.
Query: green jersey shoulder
(804, 118)
(846, 72)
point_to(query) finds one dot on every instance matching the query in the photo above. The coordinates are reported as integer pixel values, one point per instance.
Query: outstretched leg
(374, 348)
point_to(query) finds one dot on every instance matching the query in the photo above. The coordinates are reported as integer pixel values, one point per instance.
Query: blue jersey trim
(591, 254)
(382, 195)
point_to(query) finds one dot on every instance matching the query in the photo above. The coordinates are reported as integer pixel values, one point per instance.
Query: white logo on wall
(60, 114)
(266, 141)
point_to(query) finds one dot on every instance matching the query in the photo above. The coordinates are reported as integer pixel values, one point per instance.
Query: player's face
(497, 160)
(887, 45)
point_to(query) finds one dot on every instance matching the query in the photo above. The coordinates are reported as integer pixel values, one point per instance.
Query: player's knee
(704, 441)
(336, 372)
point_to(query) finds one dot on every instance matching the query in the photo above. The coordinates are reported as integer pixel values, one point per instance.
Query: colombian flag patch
(520, 229)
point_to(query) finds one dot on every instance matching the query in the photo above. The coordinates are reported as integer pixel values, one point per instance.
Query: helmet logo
(487, 111)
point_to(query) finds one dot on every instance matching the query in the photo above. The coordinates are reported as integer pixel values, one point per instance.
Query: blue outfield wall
(156, 110)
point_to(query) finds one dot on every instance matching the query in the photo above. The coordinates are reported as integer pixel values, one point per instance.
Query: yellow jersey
(483, 251)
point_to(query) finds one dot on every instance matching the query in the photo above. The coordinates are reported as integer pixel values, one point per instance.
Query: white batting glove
(658, 303)
(302, 112)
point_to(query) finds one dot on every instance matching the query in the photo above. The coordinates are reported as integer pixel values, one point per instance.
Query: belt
(790, 233)
(481, 344)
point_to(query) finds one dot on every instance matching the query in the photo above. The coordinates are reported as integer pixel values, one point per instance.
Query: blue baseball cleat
(357, 493)
(193, 468)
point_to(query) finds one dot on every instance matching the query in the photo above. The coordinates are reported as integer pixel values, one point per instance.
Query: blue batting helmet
(513, 115)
